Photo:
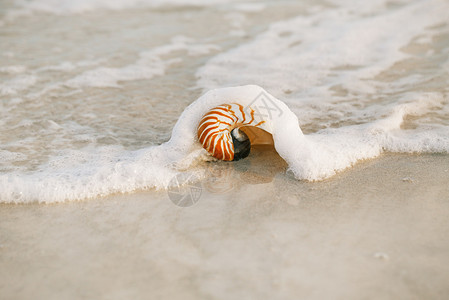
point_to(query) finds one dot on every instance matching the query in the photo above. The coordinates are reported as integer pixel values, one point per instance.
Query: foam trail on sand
(80, 6)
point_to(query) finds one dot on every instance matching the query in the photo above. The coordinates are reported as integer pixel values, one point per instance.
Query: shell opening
(242, 144)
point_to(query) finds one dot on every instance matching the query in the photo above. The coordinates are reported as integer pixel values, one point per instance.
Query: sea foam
(87, 173)
(331, 61)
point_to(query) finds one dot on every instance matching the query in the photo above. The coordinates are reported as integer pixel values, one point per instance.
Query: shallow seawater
(88, 87)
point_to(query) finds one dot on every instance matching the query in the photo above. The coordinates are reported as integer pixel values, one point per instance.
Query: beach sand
(379, 230)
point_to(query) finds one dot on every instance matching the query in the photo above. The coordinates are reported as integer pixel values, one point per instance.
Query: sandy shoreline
(379, 230)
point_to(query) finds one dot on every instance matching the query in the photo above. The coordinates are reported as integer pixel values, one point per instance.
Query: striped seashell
(219, 133)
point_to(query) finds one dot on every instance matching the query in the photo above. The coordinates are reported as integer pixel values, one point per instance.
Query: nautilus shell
(220, 131)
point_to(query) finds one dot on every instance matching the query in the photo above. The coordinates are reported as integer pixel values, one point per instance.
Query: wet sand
(379, 230)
